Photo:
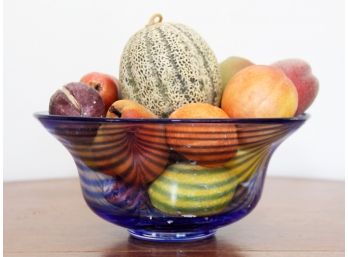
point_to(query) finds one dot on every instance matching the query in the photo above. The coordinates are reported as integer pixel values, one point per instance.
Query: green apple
(231, 66)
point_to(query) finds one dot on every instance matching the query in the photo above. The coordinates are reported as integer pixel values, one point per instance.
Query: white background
(50, 43)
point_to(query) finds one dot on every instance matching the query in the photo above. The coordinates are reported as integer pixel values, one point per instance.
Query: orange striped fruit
(209, 144)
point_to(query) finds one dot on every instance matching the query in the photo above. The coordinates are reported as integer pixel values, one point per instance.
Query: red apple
(307, 85)
(106, 85)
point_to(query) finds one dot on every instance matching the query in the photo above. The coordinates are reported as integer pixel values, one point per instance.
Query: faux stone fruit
(135, 152)
(76, 99)
(307, 85)
(209, 144)
(231, 66)
(260, 91)
(130, 110)
(106, 85)
(187, 189)
(166, 65)
(127, 198)
(251, 134)
(247, 162)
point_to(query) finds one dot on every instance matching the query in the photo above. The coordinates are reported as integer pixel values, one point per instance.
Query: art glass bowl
(171, 180)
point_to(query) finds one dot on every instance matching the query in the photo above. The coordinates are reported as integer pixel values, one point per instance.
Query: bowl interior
(165, 175)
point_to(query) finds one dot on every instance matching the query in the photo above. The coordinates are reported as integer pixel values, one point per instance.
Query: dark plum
(77, 99)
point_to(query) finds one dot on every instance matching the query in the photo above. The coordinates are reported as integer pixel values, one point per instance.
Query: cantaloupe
(166, 65)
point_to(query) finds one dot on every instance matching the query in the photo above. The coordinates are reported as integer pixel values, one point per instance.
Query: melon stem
(156, 18)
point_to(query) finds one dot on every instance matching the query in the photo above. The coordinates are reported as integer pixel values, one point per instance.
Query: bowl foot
(160, 236)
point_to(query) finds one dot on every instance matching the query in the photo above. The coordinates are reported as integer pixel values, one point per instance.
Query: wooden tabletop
(295, 217)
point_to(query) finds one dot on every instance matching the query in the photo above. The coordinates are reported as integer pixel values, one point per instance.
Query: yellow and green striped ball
(189, 189)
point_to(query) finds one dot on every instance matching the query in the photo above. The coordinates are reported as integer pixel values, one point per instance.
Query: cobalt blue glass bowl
(171, 180)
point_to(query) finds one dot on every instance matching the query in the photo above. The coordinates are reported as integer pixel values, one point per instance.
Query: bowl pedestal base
(186, 236)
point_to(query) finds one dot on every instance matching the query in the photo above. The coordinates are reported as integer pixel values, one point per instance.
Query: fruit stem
(113, 110)
(156, 18)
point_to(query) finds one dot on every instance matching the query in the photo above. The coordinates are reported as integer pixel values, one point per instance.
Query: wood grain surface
(295, 218)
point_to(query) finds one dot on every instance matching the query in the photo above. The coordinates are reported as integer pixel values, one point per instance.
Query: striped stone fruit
(250, 163)
(246, 162)
(208, 144)
(188, 189)
(128, 198)
(166, 65)
(137, 153)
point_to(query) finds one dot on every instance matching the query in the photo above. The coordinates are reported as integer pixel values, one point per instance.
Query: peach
(260, 91)
(230, 66)
(307, 85)
(208, 144)
(128, 109)
(135, 152)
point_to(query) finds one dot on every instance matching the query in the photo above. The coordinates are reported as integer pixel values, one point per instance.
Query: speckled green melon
(166, 65)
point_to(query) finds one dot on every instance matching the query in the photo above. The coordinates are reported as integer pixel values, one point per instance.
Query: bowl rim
(43, 115)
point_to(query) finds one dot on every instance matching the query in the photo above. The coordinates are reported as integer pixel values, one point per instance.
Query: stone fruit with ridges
(250, 162)
(251, 134)
(76, 99)
(187, 189)
(166, 65)
(137, 153)
(128, 198)
(106, 86)
(231, 66)
(306, 83)
(129, 109)
(208, 144)
(260, 91)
